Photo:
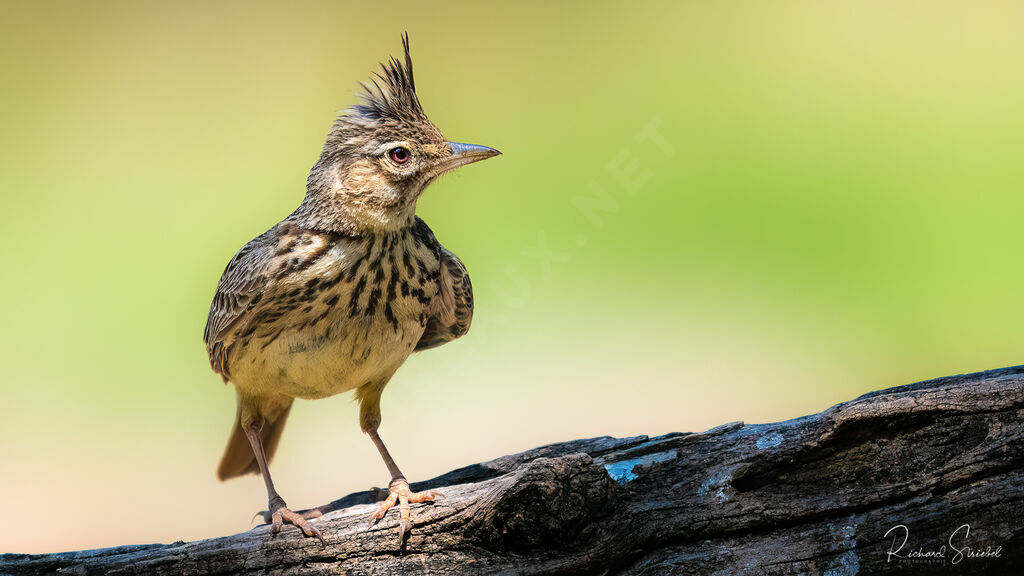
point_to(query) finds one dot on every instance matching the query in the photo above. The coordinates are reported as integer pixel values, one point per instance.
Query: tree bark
(822, 494)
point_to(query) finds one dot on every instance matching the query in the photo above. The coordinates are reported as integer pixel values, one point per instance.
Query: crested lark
(337, 295)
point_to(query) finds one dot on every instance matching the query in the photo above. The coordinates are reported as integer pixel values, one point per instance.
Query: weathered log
(822, 494)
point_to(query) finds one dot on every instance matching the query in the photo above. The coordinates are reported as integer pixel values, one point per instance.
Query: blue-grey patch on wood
(849, 565)
(769, 440)
(622, 472)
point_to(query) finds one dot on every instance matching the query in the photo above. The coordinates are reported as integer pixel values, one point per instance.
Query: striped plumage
(301, 284)
(336, 296)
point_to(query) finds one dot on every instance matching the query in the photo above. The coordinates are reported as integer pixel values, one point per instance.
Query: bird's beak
(463, 154)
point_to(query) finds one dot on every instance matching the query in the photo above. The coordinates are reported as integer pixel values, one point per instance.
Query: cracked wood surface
(813, 495)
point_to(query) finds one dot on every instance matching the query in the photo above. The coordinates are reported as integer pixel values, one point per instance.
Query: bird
(337, 295)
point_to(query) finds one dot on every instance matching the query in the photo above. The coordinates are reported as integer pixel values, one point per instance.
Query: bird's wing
(451, 310)
(239, 293)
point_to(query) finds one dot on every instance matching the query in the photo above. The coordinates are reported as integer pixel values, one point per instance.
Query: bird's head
(380, 155)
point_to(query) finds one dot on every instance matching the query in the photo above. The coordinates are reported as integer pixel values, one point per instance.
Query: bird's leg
(398, 490)
(279, 513)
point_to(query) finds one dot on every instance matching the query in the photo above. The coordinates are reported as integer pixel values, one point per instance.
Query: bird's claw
(283, 515)
(268, 518)
(399, 492)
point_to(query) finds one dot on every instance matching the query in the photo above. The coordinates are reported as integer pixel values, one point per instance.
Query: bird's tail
(238, 457)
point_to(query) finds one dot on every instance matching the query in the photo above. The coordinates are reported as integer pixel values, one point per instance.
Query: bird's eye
(399, 155)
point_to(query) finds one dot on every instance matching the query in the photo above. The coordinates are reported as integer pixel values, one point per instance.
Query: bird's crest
(391, 93)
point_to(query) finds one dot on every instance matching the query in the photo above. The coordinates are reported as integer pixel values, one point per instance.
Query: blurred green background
(705, 212)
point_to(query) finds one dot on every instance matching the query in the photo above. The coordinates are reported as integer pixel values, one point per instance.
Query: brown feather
(238, 458)
(452, 309)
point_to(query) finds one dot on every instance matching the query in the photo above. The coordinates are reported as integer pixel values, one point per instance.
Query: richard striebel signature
(955, 551)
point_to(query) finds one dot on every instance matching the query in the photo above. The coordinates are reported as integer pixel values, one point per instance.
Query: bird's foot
(280, 514)
(399, 492)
